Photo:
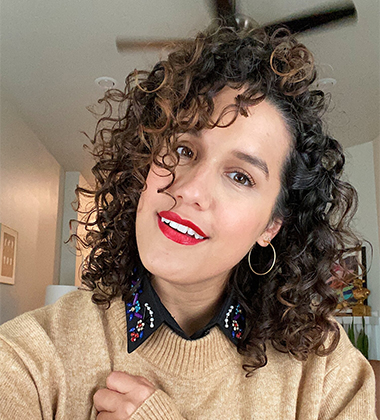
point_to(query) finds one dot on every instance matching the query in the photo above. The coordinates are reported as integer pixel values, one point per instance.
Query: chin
(163, 268)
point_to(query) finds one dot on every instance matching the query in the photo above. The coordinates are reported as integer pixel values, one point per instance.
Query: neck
(192, 306)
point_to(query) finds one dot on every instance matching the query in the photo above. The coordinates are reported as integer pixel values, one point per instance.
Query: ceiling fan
(225, 10)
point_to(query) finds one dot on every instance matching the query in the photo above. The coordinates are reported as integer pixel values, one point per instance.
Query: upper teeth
(181, 228)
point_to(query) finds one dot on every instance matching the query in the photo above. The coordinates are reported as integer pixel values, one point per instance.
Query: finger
(145, 381)
(123, 412)
(105, 400)
(105, 415)
(123, 382)
(119, 381)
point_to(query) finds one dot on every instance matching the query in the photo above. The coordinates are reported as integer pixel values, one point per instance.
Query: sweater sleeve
(32, 383)
(19, 396)
(158, 406)
(349, 385)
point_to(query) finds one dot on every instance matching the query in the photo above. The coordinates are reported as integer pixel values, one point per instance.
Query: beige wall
(376, 161)
(29, 203)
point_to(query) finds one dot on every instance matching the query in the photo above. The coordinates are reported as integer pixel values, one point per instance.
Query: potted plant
(361, 341)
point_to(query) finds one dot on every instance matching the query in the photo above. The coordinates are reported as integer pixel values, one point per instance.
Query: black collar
(146, 313)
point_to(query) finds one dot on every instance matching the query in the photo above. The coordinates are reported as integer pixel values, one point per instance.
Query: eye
(241, 178)
(185, 152)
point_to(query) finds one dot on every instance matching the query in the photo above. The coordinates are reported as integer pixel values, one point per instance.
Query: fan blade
(317, 19)
(128, 44)
(225, 9)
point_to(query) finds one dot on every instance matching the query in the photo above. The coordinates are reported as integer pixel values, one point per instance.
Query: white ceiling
(52, 51)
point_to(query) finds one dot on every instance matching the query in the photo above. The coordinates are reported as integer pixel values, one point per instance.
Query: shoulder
(349, 382)
(71, 321)
(348, 362)
(344, 353)
(56, 353)
(347, 377)
(345, 359)
(64, 311)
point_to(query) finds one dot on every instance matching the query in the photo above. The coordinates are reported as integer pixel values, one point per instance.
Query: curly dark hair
(291, 306)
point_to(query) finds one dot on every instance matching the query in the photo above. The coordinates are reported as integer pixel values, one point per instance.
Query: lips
(180, 230)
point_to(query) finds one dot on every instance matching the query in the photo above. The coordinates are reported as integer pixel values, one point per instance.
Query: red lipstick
(175, 235)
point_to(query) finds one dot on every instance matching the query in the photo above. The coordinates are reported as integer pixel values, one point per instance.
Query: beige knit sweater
(53, 360)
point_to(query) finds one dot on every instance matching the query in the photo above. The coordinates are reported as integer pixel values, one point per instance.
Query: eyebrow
(253, 160)
(192, 132)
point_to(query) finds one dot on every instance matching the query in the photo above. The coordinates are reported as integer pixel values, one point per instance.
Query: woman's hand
(122, 397)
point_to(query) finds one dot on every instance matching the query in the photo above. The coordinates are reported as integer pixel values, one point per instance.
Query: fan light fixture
(105, 82)
(325, 83)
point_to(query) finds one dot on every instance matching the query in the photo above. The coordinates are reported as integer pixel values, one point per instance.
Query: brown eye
(184, 151)
(241, 179)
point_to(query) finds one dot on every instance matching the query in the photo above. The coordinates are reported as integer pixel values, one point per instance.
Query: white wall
(30, 204)
(360, 171)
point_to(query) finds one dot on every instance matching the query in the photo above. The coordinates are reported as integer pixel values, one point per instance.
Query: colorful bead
(237, 332)
(230, 309)
(151, 316)
(140, 326)
(134, 336)
(133, 311)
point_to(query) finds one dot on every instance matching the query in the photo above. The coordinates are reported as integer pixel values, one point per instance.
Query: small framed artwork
(348, 281)
(8, 250)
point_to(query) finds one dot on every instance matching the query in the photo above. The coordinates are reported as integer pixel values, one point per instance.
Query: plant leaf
(351, 333)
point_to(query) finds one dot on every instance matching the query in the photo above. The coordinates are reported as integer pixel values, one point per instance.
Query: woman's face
(225, 196)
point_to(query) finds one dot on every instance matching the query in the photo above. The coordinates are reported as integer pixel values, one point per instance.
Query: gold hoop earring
(271, 267)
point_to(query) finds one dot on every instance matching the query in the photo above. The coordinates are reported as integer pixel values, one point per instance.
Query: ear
(270, 232)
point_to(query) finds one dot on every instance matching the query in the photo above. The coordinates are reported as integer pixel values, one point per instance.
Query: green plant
(351, 333)
(361, 342)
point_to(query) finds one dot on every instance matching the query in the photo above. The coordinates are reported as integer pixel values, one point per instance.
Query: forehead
(260, 137)
(263, 122)
(225, 108)
(226, 100)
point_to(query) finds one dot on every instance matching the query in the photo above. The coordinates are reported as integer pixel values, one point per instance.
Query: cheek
(243, 226)
(145, 206)
(156, 179)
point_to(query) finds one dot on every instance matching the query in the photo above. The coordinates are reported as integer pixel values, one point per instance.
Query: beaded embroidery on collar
(237, 321)
(145, 314)
(133, 310)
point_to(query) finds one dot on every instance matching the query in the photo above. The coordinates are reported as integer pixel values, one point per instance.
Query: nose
(194, 186)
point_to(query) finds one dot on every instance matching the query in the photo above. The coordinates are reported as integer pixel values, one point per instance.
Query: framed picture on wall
(347, 280)
(8, 251)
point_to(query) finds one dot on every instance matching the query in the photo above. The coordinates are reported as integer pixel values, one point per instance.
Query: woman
(219, 215)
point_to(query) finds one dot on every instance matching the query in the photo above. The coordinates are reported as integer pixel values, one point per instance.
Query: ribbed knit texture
(54, 359)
